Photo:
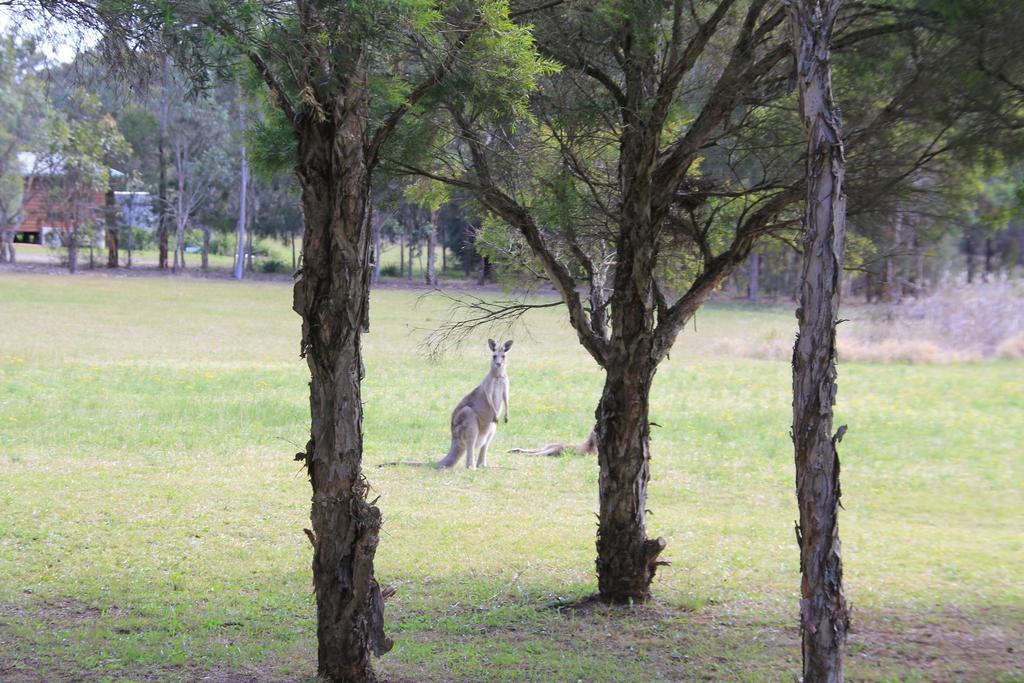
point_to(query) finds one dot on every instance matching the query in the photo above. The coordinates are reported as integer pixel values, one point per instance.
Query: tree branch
(519, 217)
(387, 129)
(757, 224)
(276, 89)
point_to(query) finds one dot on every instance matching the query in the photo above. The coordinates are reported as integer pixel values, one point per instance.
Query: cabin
(44, 218)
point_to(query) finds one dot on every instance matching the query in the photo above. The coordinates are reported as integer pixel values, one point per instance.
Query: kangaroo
(588, 447)
(475, 419)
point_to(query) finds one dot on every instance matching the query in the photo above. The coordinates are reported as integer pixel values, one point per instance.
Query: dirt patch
(69, 613)
(945, 644)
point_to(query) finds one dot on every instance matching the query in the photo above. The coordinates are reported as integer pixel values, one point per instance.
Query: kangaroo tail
(551, 449)
(453, 455)
(555, 449)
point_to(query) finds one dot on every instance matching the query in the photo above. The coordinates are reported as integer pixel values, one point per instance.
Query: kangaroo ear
(490, 343)
(508, 345)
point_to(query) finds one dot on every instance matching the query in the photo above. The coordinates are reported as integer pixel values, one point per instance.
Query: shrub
(222, 244)
(274, 266)
(1013, 347)
(390, 270)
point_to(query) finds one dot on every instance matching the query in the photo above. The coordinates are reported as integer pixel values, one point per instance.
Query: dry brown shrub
(1012, 347)
(892, 351)
(959, 322)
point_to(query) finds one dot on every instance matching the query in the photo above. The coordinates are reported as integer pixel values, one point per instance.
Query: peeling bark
(626, 558)
(824, 618)
(332, 294)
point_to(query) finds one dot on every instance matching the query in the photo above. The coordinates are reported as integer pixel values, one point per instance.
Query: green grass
(392, 257)
(151, 514)
(148, 258)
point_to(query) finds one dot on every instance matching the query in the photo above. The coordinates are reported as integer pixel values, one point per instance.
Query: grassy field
(280, 253)
(151, 514)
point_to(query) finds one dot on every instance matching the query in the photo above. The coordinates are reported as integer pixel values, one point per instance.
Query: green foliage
(391, 270)
(23, 119)
(273, 265)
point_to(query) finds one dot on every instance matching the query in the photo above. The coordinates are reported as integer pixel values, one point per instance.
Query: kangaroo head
(498, 354)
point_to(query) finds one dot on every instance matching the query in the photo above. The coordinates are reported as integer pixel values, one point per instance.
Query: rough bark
(332, 295)
(824, 618)
(626, 558)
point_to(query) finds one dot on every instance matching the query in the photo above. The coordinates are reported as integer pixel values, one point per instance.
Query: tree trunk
(409, 275)
(891, 288)
(401, 253)
(377, 225)
(110, 218)
(824, 619)
(754, 271)
(6, 243)
(250, 223)
(162, 159)
(485, 271)
(626, 558)
(989, 254)
(206, 248)
(431, 243)
(969, 252)
(332, 296)
(243, 189)
(294, 263)
(248, 247)
(73, 249)
(444, 245)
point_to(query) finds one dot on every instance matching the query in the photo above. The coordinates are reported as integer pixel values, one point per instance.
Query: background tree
(23, 123)
(82, 149)
(651, 165)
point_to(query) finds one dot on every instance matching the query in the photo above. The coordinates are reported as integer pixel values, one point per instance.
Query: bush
(141, 239)
(222, 243)
(390, 270)
(274, 266)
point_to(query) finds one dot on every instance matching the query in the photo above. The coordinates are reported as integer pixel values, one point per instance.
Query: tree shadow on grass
(444, 634)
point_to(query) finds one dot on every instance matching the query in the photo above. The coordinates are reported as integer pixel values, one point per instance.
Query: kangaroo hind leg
(485, 441)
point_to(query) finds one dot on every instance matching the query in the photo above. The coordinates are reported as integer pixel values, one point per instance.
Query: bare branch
(469, 313)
